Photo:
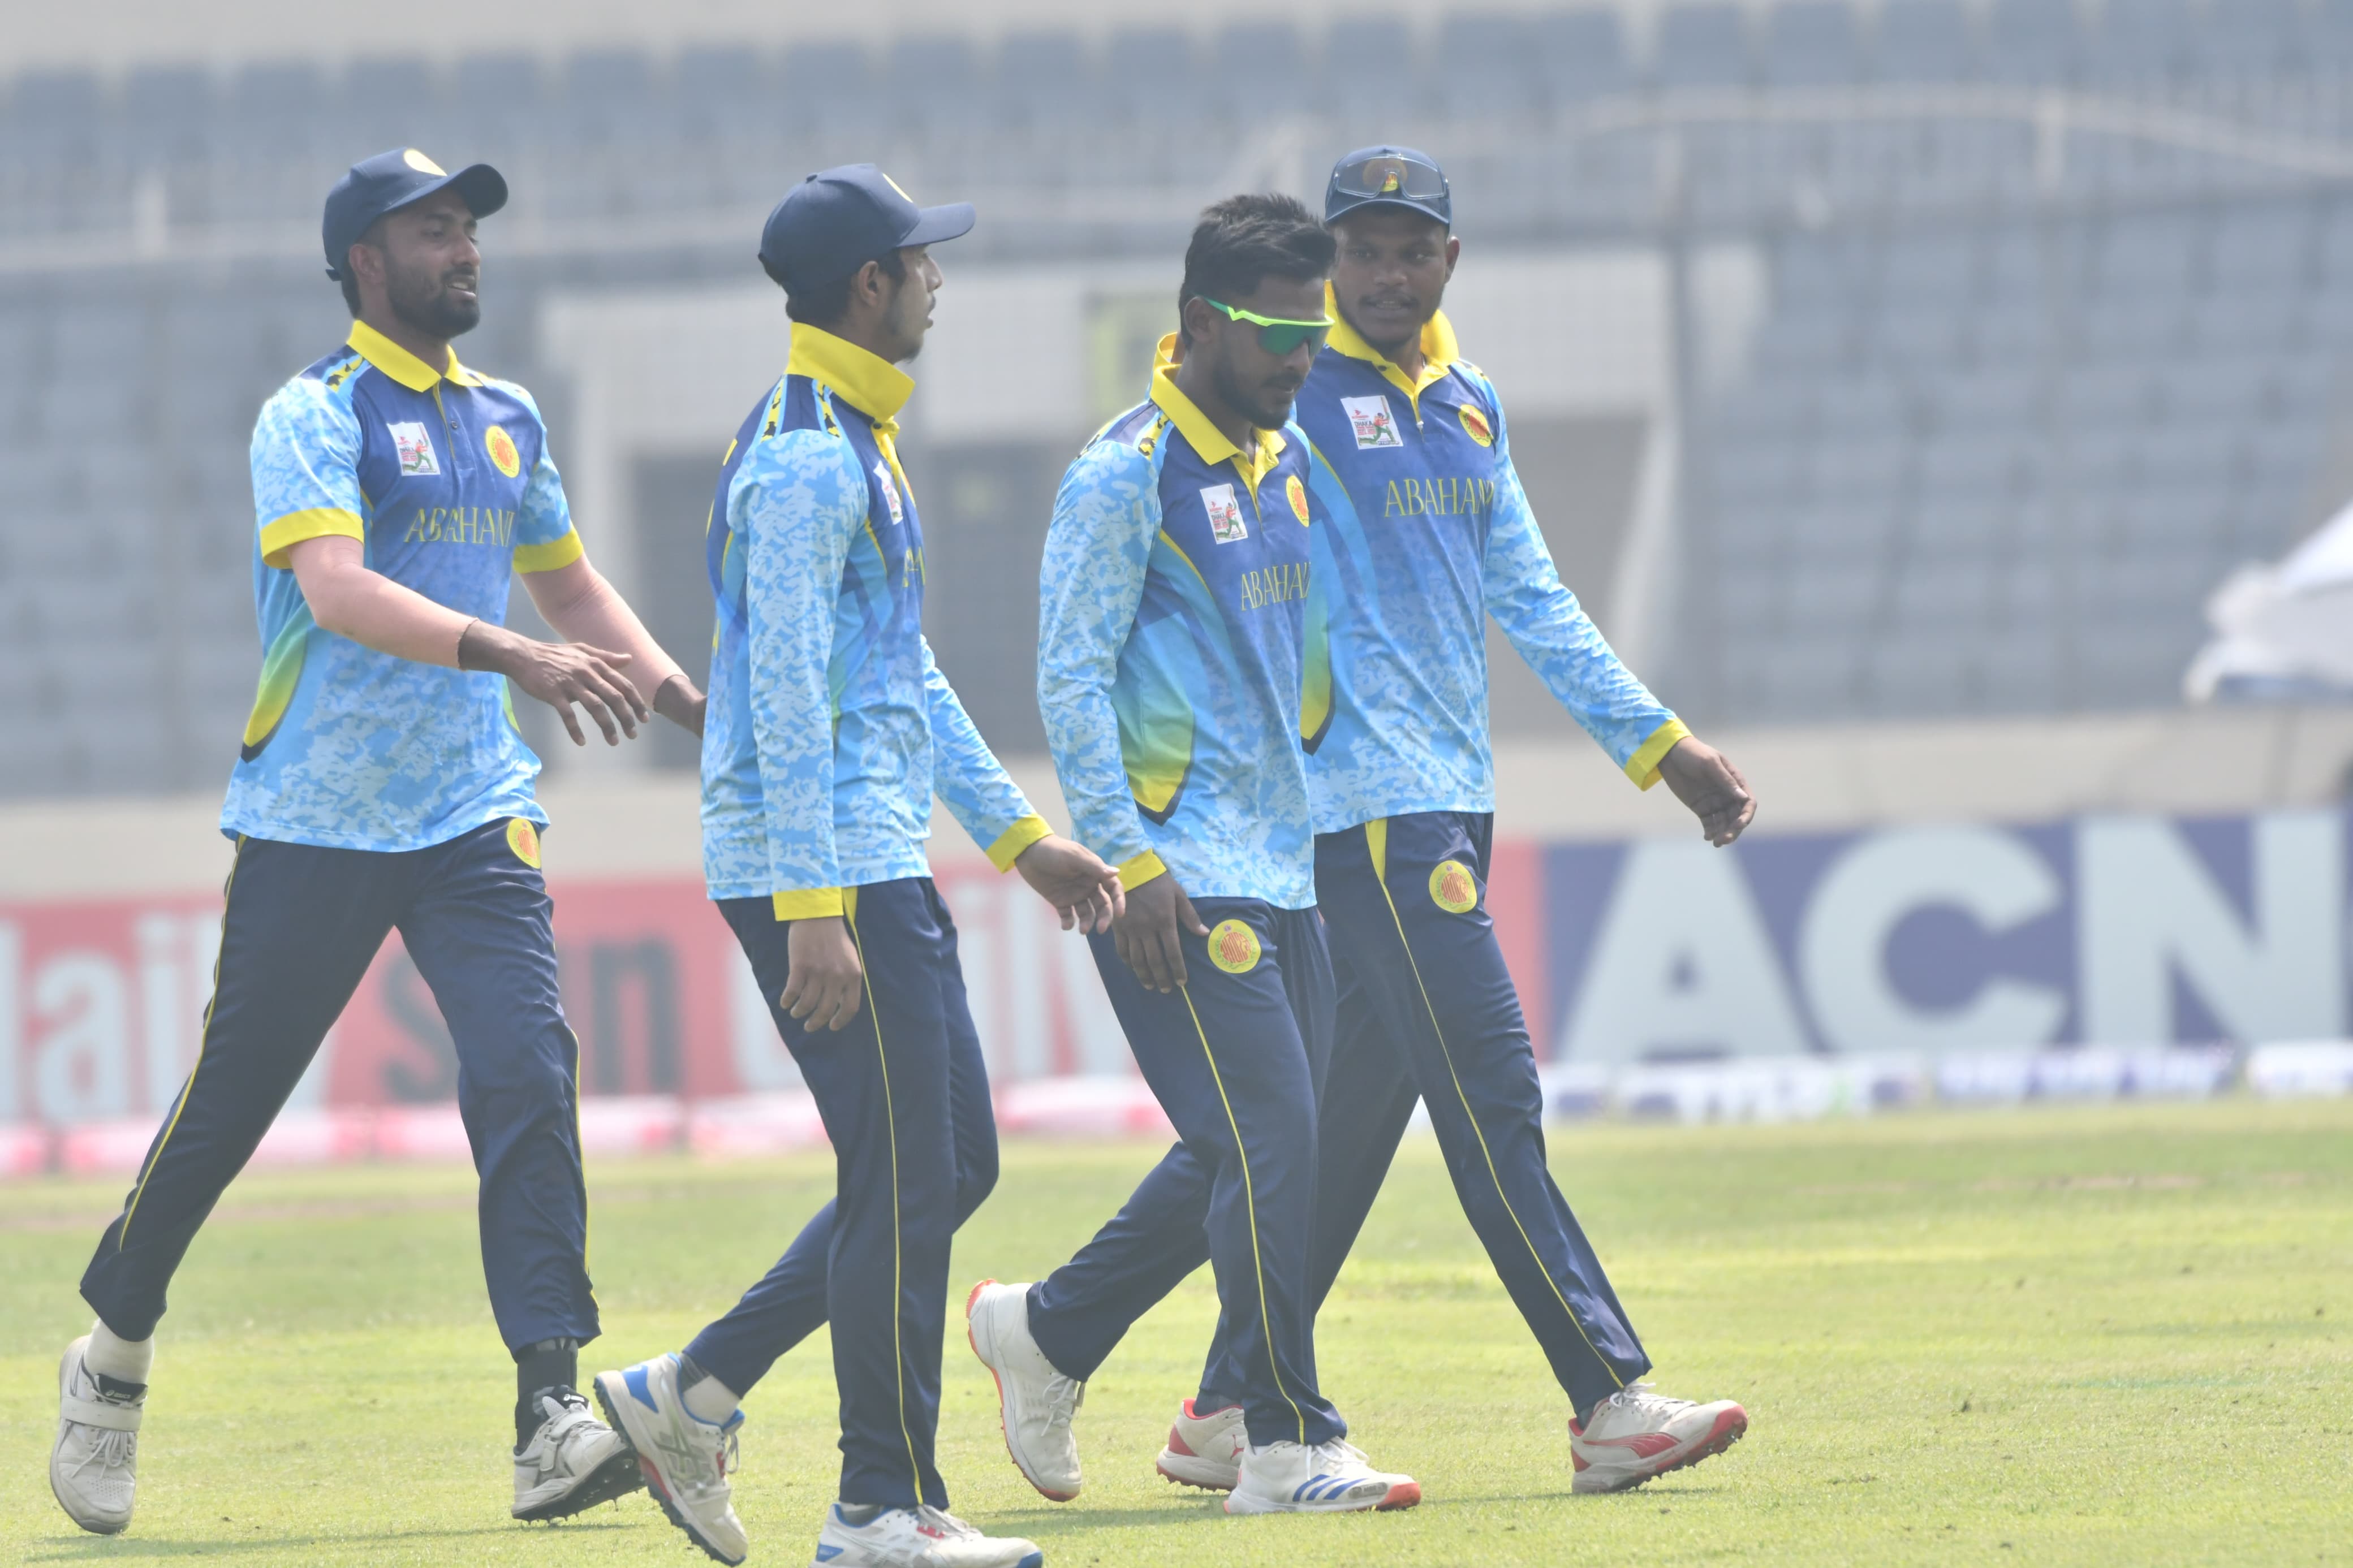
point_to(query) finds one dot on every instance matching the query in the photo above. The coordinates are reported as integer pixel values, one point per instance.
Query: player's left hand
(1084, 891)
(1704, 780)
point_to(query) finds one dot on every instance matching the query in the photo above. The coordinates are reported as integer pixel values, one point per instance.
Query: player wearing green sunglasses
(1276, 334)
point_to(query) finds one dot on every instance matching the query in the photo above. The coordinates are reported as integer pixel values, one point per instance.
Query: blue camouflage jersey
(1431, 535)
(445, 479)
(1180, 651)
(828, 726)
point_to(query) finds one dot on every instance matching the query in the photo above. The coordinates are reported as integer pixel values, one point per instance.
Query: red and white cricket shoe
(1635, 1435)
(1205, 1451)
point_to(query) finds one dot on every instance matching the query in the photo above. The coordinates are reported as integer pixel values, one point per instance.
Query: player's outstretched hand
(1073, 878)
(561, 674)
(1704, 780)
(825, 981)
(1150, 936)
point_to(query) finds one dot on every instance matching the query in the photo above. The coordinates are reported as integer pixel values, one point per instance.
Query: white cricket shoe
(1636, 1433)
(572, 1463)
(94, 1468)
(685, 1459)
(1330, 1478)
(1205, 1451)
(923, 1537)
(1035, 1403)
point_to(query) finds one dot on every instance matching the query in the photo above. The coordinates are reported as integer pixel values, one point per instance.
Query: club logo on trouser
(1452, 888)
(523, 840)
(1234, 947)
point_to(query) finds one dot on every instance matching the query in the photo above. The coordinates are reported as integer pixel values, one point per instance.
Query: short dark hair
(1242, 240)
(827, 303)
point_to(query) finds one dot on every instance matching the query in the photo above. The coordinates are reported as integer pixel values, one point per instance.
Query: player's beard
(1256, 404)
(427, 304)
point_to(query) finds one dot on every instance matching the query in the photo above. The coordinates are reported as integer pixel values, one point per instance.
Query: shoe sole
(971, 1337)
(619, 1421)
(65, 1372)
(1221, 1483)
(615, 1478)
(1403, 1496)
(1729, 1428)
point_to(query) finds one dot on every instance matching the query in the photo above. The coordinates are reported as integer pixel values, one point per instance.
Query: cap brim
(483, 189)
(1339, 207)
(933, 225)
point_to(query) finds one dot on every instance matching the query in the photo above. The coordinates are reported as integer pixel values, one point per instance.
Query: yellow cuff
(807, 903)
(295, 527)
(1015, 838)
(1141, 869)
(1642, 767)
(547, 557)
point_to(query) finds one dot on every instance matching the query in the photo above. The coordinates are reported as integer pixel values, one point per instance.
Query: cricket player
(1429, 533)
(1181, 660)
(830, 731)
(382, 786)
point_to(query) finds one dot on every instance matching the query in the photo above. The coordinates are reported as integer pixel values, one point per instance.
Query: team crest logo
(523, 840)
(890, 491)
(501, 448)
(1453, 888)
(415, 450)
(1233, 947)
(1476, 424)
(1370, 418)
(1298, 494)
(1226, 523)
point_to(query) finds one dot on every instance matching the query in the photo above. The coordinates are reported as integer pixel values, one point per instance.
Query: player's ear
(1198, 319)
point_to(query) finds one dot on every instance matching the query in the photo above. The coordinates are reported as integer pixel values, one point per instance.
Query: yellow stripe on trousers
(1250, 1204)
(890, 1122)
(1377, 840)
(204, 1038)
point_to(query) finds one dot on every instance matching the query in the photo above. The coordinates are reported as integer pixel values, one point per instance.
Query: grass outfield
(2116, 1336)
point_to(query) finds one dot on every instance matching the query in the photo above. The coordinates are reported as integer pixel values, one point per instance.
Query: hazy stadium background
(1894, 382)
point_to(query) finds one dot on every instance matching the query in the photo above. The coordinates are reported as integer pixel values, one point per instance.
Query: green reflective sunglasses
(1275, 336)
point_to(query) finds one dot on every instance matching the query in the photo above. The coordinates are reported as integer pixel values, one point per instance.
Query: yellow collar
(1438, 350)
(1207, 438)
(403, 366)
(874, 386)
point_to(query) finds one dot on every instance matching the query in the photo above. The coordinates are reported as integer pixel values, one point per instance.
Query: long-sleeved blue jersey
(828, 726)
(1431, 535)
(1180, 652)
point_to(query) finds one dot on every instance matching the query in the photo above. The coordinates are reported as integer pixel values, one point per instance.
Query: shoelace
(1064, 1395)
(1338, 1453)
(948, 1523)
(114, 1447)
(1641, 1399)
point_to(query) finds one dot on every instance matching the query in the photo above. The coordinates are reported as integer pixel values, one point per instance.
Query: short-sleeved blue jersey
(1430, 535)
(1180, 652)
(445, 479)
(830, 727)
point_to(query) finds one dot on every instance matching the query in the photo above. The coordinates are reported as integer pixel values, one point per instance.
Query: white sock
(711, 1400)
(128, 1360)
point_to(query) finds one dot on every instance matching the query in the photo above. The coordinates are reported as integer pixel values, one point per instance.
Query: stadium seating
(2015, 404)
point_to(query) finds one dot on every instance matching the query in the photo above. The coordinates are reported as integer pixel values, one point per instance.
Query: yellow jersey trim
(403, 366)
(312, 522)
(1439, 351)
(1207, 438)
(1141, 869)
(874, 386)
(1642, 767)
(548, 557)
(1015, 838)
(807, 903)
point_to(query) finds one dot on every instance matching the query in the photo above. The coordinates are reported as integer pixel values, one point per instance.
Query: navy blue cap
(1390, 177)
(837, 220)
(390, 180)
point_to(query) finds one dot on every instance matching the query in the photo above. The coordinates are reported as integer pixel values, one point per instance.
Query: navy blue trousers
(1427, 1010)
(903, 1093)
(1236, 1058)
(302, 926)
